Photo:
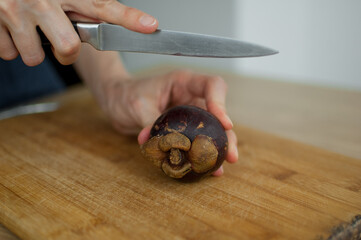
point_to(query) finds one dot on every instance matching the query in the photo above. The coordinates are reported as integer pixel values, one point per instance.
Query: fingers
(62, 36)
(219, 172)
(112, 11)
(219, 111)
(19, 34)
(199, 102)
(144, 135)
(215, 95)
(8, 50)
(232, 154)
(28, 44)
(212, 88)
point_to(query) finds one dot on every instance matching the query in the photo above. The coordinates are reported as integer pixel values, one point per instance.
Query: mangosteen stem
(175, 156)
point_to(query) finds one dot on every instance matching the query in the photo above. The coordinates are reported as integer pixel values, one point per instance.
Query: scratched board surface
(69, 175)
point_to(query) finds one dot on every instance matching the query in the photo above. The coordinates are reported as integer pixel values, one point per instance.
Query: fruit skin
(192, 121)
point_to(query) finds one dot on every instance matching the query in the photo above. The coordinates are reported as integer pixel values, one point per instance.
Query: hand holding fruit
(136, 104)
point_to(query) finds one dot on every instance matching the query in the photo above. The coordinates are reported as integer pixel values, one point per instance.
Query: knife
(110, 37)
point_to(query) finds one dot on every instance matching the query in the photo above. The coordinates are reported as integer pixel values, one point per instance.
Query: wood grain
(5, 234)
(69, 175)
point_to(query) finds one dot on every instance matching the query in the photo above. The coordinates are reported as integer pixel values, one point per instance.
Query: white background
(319, 41)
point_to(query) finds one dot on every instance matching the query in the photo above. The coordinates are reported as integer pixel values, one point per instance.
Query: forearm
(98, 69)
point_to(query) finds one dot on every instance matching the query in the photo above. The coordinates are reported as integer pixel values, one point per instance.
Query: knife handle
(45, 41)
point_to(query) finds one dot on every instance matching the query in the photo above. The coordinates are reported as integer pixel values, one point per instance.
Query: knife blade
(29, 109)
(109, 37)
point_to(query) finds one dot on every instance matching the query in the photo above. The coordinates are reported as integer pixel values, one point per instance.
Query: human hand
(19, 18)
(136, 104)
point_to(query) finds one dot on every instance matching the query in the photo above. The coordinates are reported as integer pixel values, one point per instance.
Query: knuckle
(40, 6)
(9, 12)
(181, 75)
(99, 6)
(101, 3)
(127, 12)
(124, 13)
(69, 47)
(8, 6)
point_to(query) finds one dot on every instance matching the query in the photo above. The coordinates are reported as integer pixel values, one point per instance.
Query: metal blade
(29, 109)
(112, 37)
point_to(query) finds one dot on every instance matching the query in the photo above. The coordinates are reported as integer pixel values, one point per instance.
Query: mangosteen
(186, 142)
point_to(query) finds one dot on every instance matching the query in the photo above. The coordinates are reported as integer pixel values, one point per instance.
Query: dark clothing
(20, 83)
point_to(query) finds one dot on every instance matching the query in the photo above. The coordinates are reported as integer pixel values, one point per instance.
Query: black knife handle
(45, 41)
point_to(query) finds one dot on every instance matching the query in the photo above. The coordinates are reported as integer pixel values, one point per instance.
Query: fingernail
(147, 20)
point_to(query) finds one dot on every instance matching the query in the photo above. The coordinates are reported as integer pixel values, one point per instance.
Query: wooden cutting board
(69, 175)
